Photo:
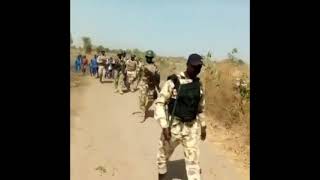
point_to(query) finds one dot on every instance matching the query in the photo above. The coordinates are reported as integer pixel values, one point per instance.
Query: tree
(209, 55)
(100, 48)
(232, 55)
(87, 46)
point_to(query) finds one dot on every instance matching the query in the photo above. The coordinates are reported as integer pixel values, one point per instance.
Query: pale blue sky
(169, 27)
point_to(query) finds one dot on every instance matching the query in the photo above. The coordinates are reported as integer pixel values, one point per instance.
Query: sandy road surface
(108, 142)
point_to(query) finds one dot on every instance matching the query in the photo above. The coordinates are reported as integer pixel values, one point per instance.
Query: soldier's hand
(203, 133)
(166, 133)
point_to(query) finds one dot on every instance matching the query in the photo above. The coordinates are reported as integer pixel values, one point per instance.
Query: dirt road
(108, 142)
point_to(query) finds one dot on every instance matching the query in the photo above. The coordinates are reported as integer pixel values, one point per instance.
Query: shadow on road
(176, 170)
(108, 81)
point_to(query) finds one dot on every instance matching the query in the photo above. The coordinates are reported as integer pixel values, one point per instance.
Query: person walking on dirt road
(119, 81)
(131, 68)
(78, 63)
(94, 66)
(150, 82)
(184, 96)
(85, 63)
(102, 59)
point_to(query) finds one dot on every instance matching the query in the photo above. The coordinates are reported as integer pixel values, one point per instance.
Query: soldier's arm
(160, 103)
(99, 59)
(201, 108)
(157, 78)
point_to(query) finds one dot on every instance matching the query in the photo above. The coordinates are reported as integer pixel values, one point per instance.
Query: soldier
(131, 68)
(102, 59)
(138, 73)
(150, 82)
(184, 96)
(120, 75)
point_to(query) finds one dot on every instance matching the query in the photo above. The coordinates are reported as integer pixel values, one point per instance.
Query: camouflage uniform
(148, 85)
(101, 66)
(138, 73)
(119, 78)
(131, 67)
(186, 133)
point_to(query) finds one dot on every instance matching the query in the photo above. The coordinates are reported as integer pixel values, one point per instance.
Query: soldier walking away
(150, 82)
(183, 95)
(85, 63)
(138, 73)
(102, 58)
(109, 67)
(120, 77)
(131, 68)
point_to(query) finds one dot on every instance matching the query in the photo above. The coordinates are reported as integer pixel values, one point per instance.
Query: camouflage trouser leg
(121, 83)
(116, 79)
(165, 151)
(101, 72)
(137, 80)
(190, 145)
(131, 76)
(146, 97)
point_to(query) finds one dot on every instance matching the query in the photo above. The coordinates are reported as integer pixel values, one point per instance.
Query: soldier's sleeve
(160, 103)
(99, 59)
(201, 106)
(158, 76)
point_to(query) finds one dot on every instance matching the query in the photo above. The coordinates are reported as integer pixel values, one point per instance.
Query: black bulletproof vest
(188, 99)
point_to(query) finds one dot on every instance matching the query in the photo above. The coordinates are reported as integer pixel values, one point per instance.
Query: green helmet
(150, 54)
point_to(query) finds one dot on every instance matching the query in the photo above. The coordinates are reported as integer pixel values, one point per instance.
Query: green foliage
(87, 46)
(100, 48)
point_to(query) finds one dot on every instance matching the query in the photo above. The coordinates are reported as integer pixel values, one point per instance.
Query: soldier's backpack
(150, 75)
(185, 106)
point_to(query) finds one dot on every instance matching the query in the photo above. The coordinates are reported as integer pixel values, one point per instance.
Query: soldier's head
(133, 57)
(120, 53)
(149, 56)
(194, 65)
(103, 52)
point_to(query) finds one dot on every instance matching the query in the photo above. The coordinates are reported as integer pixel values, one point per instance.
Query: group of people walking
(179, 104)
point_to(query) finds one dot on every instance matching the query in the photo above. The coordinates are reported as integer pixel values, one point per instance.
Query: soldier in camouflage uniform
(139, 73)
(120, 72)
(150, 82)
(131, 71)
(102, 59)
(184, 96)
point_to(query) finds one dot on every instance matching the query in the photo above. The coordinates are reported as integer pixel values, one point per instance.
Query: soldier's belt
(189, 123)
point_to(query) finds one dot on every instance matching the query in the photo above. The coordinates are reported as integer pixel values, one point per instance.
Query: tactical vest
(131, 66)
(187, 101)
(149, 75)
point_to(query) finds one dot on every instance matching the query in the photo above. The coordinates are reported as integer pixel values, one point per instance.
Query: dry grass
(227, 108)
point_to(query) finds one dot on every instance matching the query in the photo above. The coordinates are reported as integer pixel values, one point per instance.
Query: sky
(168, 27)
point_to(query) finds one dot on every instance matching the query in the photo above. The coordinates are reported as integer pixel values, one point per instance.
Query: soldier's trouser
(131, 75)
(137, 79)
(146, 97)
(101, 72)
(121, 83)
(189, 137)
(116, 78)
